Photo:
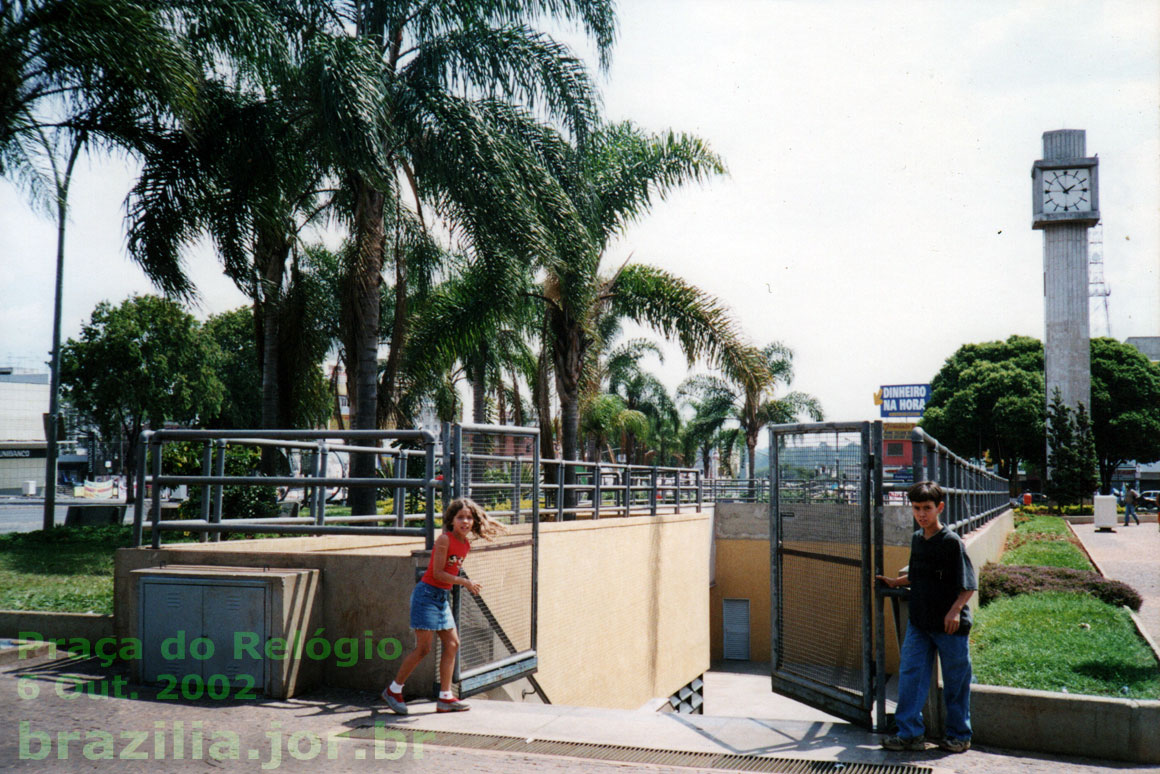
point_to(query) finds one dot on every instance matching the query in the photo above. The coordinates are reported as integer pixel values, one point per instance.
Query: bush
(1055, 510)
(998, 580)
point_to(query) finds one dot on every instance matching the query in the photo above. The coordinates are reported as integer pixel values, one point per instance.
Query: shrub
(997, 580)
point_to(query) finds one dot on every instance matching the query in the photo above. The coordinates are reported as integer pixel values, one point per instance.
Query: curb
(1066, 724)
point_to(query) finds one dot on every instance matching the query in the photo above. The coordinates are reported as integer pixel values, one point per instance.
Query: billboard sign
(902, 400)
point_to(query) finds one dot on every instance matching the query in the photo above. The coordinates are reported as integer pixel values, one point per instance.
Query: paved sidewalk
(1132, 555)
(59, 730)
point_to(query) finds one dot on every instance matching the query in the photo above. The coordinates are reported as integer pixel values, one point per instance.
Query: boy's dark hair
(926, 492)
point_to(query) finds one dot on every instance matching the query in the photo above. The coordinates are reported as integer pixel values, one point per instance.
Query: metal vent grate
(651, 756)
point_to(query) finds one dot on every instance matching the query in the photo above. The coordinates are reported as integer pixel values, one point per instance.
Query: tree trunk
(366, 280)
(751, 451)
(569, 344)
(479, 386)
(389, 415)
(541, 396)
(271, 251)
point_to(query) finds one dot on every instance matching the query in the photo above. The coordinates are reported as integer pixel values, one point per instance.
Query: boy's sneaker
(900, 744)
(394, 701)
(451, 705)
(955, 745)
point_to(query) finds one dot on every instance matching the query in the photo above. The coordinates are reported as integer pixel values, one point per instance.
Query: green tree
(237, 369)
(1125, 413)
(71, 74)
(751, 395)
(422, 124)
(642, 391)
(1071, 458)
(988, 399)
(141, 364)
(622, 170)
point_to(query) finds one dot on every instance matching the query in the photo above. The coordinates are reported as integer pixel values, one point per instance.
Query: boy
(941, 580)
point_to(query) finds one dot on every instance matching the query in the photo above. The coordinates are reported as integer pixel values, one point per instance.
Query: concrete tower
(1065, 196)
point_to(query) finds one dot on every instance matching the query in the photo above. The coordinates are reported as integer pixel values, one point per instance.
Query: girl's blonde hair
(482, 525)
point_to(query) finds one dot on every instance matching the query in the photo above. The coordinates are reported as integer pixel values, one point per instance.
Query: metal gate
(498, 467)
(826, 537)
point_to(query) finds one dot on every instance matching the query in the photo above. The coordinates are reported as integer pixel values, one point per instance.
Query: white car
(1149, 499)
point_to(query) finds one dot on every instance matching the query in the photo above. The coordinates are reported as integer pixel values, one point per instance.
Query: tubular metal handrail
(313, 484)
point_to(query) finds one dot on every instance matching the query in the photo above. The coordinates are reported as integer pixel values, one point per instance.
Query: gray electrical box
(214, 631)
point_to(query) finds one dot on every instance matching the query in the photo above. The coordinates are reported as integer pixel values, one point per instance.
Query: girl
(431, 601)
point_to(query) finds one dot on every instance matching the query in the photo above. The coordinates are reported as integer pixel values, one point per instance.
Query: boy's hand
(473, 587)
(891, 582)
(951, 622)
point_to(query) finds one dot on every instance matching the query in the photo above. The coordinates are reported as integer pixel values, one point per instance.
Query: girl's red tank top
(456, 553)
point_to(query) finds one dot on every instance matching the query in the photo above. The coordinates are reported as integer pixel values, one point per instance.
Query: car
(1149, 499)
(1037, 498)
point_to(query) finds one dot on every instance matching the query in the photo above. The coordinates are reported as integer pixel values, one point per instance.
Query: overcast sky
(877, 214)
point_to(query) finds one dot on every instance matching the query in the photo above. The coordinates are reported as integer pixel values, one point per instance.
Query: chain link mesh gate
(825, 529)
(498, 467)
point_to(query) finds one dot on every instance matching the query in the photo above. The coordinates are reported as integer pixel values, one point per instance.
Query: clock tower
(1065, 203)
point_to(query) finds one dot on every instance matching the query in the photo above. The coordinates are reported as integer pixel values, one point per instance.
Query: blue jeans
(1130, 512)
(917, 658)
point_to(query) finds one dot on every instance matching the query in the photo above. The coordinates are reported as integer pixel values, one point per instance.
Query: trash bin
(1027, 498)
(29, 488)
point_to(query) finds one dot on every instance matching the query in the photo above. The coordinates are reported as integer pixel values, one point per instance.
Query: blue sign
(902, 400)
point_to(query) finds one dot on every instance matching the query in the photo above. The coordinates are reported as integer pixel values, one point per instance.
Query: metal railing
(974, 495)
(507, 477)
(321, 443)
(607, 488)
(737, 490)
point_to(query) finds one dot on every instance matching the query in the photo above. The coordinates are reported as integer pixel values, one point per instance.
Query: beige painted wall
(742, 572)
(624, 608)
(623, 611)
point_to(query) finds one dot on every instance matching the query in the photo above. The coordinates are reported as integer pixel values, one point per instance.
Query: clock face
(1067, 190)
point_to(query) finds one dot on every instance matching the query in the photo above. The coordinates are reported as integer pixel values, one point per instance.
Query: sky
(877, 211)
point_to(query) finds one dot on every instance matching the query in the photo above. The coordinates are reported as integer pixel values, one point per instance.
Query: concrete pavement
(39, 700)
(1132, 555)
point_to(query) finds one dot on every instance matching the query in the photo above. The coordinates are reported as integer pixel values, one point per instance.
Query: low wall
(623, 602)
(1066, 724)
(54, 626)
(365, 587)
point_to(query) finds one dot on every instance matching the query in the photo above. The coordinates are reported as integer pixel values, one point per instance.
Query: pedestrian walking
(1131, 497)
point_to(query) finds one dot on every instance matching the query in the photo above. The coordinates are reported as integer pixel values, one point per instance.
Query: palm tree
(423, 129)
(73, 76)
(621, 171)
(703, 430)
(752, 399)
(250, 183)
(641, 391)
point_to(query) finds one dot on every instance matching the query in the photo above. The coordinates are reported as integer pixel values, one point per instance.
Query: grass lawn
(1044, 541)
(1041, 525)
(1040, 641)
(1047, 554)
(68, 570)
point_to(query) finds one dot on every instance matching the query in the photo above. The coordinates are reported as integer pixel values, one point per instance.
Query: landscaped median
(1060, 663)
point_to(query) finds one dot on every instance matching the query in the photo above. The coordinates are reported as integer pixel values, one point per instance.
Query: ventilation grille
(651, 756)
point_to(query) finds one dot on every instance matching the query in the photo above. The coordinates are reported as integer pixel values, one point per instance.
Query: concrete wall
(624, 607)
(53, 626)
(1065, 724)
(623, 602)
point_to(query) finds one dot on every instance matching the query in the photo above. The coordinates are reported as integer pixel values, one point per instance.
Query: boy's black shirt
(939, 570)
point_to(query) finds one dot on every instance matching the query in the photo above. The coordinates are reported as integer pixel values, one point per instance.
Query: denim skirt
(431, 608)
